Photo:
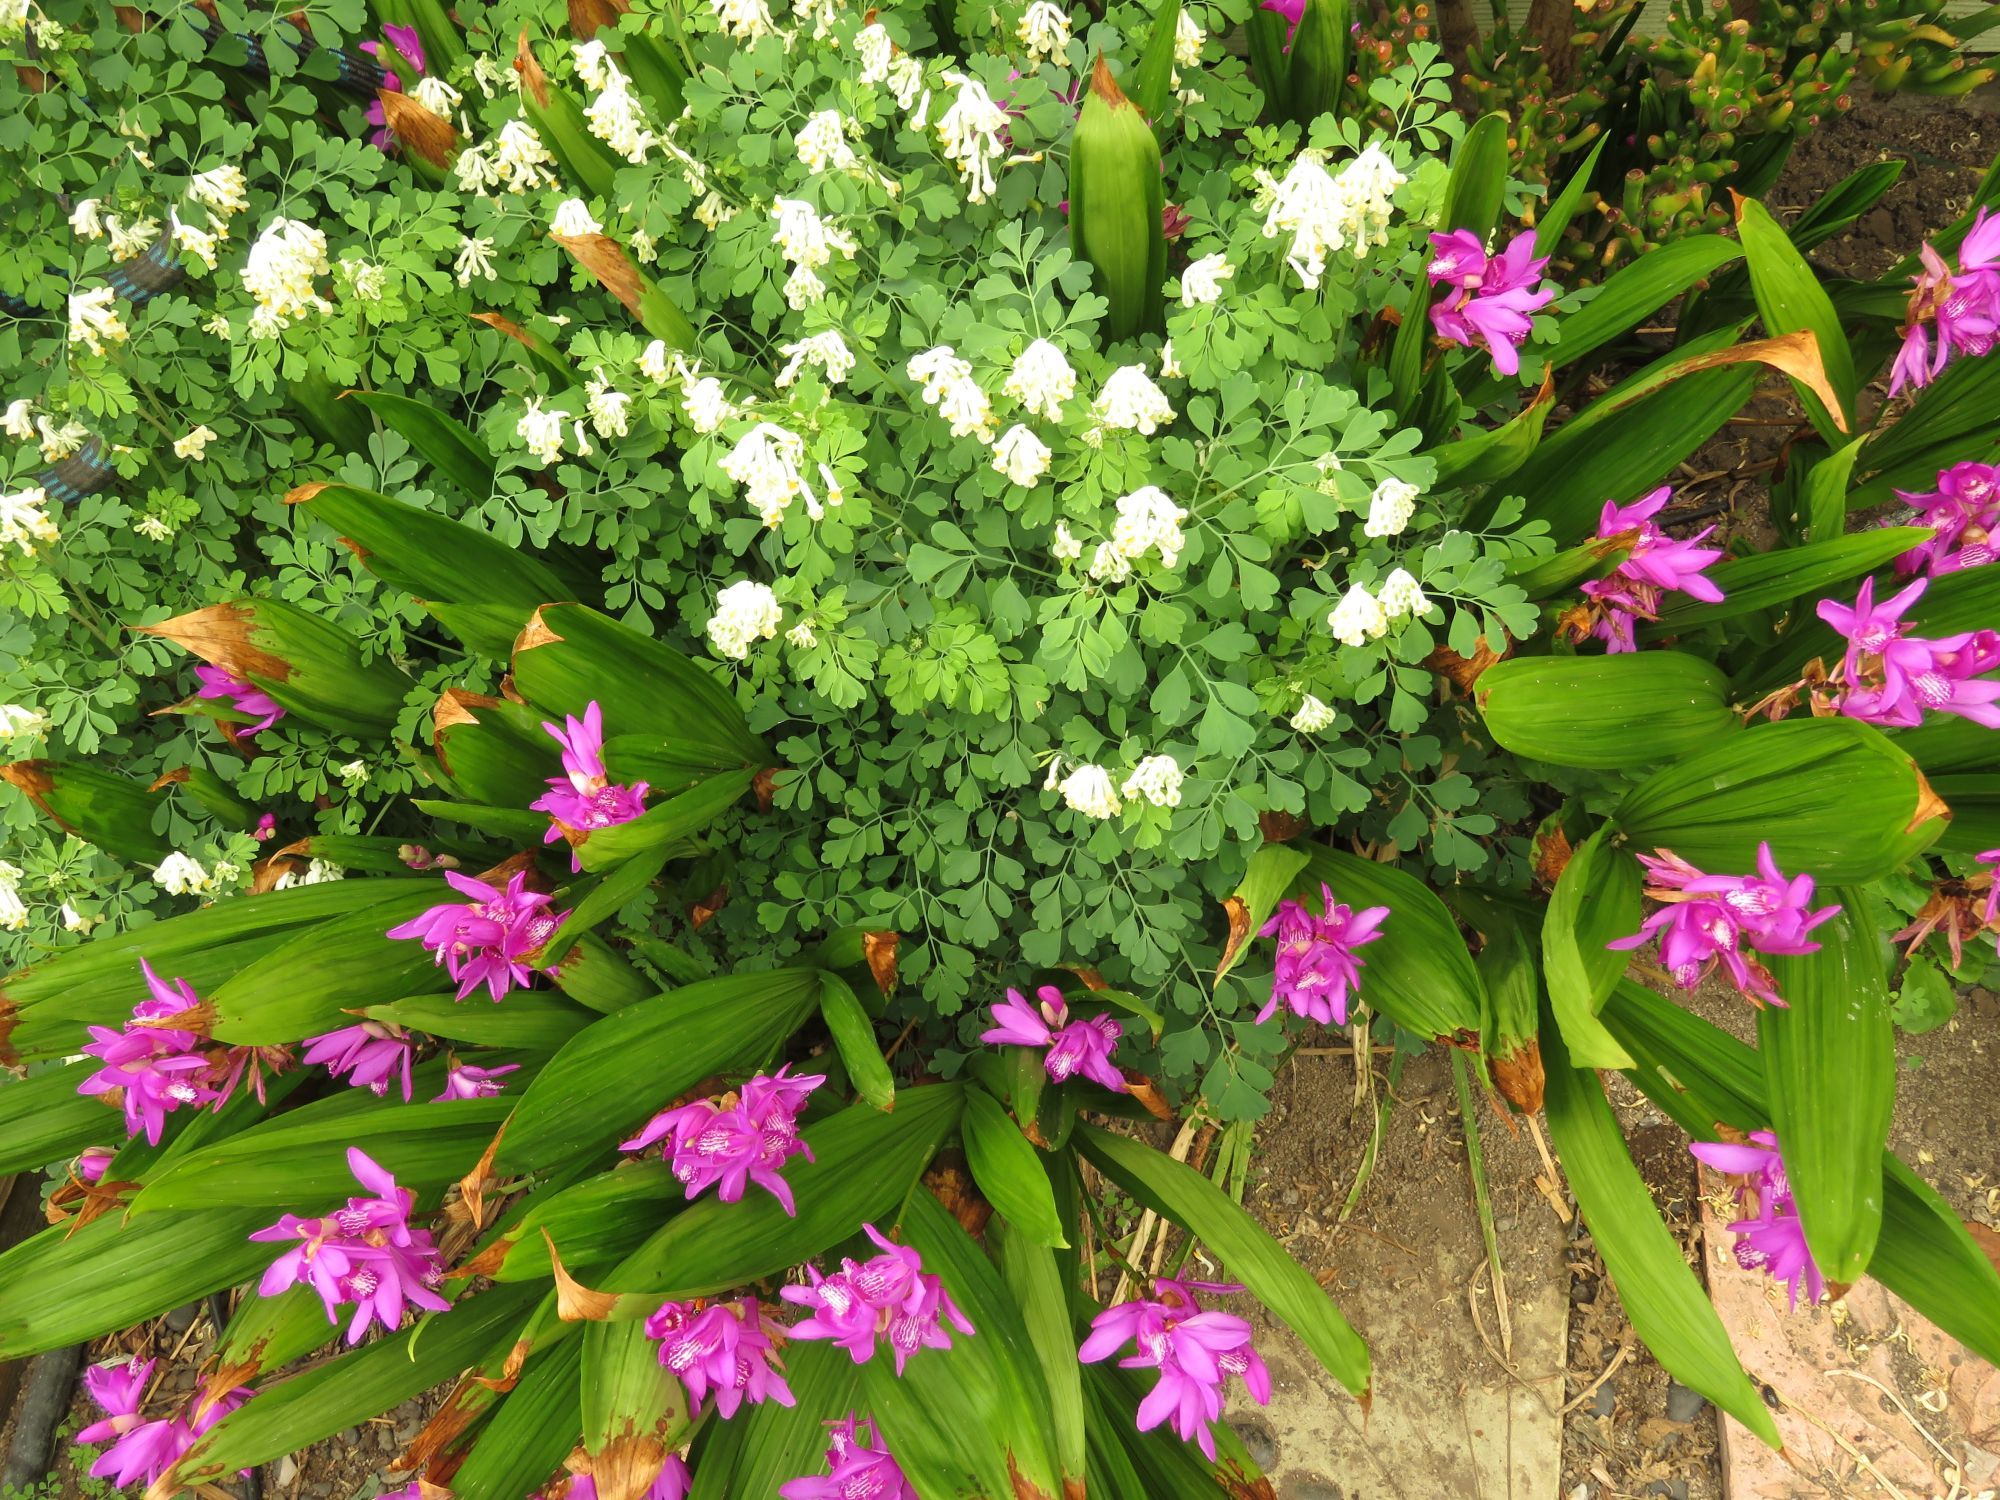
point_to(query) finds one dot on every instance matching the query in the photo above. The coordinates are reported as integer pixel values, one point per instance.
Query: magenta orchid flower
(1075, 1048)
(365, 1254)
(1960, 308)
(242, 695)
(728, 1348)
(1890, 677)
(1294, 11)
(142, 1450)
(1195, 1350)
(737, 1140)
(1710, 920)
(584, 797)
(407, 49)
(886, 1296)
(152, 1068)
(857, 1469)
(1772, 1238)
(464, 1081)
(1963, 513)
(1654, 564)
(488, 939)
(1318, 972)
(369, 1054)
(1493, 299)
(92, 1163)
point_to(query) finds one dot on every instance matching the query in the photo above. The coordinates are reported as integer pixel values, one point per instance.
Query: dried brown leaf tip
(536, 632)
(1463, 671)
(879, 949)
(429, 136)
(587, 17)
(575, 1302)
(606, 260)
(533, 80)
(223, 635)
(626, 1466)
(1519, 1077)
(1237, 910)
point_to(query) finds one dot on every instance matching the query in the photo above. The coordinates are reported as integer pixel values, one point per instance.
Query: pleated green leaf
(1611, 712)
(616, 1073)
(853, 1036)
(44, 1120)
(1034, 1278)
(597, 1222)
(115, 813)
(1665, 1302)
(635, 1412)
(1635, 293)
(1596, 899)
(268, 1333)
(531, 1020)
(1488, 456)
(1549, 226)
(1776, 577)
(1152, 81)
(439, 438)
(1771, 782)
(766, 1445)
(1268, 878)
(1419, 972)
(1791, 300)
(1830, 1076)
(1318, 59)
(1248, 1253)
(665, 824)
(1008, 1170)
(531, 1431)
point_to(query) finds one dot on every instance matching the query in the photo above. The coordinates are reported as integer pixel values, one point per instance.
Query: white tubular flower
(127, 240)
(476, 170)
(706, 404)
(745, 612)
(593, 63)
(645, 248)
(1065, 547)
(279, 275)
(195, 445)
(906, 87)
(712, 213)
(1201, 282)
(1131, 401)
(519, 159)
(573, 217)
(19, 420)
(198, 243)
(1188, 40)
(353, 775)
(1148, 518)
(1402, 595)
(1021, 456)
(1089, 790)
(808, 242)
(653, 362)
(1044, 31)
(608, 409)
(1109, 565)
(1390, 508)
(85, 221)
(948, 385)
(13, 912)
(1325, 214)
(19, 722)
(1313, 716)
(746, 20)
(218, 325)
(617, 119)
(1358, 619)
(1170, 368)
(181, 875)
(822, 142)
(437, 96)
(1158, 779)
(75, 921)
(827, 349)
(765, 461)
(23, 522)
(873, 46)
(970, 131)
(220, 190)
(318, 872)
(154, 528)
(94, 320)
(60, 439)
(475, 258)
(803, 636)
(541, 431)
(1041, 380)
(365, 280)
(1368, 186)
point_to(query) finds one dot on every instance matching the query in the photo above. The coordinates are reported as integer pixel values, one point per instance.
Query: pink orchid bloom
(1318, 972)
(369, 1053)
(888, 1295)
(1075, 1048)
(242, 695)
(489, 939)
(1772, 1239)
(584, 798)
(155, 1069)
(1195, 1350)
(857, 1469)
(728, 1348)
(729, 1146)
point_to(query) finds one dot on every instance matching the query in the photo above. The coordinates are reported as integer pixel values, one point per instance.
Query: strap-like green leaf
(1152, 80)
(1661, 1295)
(1596, 900)
(1034, 1280)
(664, 824)
(1178, 1192)
(1830, 1074)
(634, 1412)
(440, 439)
(113, 812)
(44, 1119)
(1008, 1170)
(1791, 300)
(1611, 712)
(766, 1445)
(1419, 972)
(1269, 876)
(1550, 225)
(854, 1038)
(531, 1432)
(1784, 573)
(530, 1020)
(1638, 291)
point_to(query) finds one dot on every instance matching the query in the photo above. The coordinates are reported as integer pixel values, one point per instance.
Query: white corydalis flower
(94, 320)
(437, 96)
(947, 383)
(970, 131)
(1201, 282)
(808, 242)
(1325, 214)
(822, 143)
(60, 439)
(1358, 619)
(1148, 519)
(182, 875)
(607, 408)
(129, 239)
(280, 274)
(614, 116)
(1313, 716)
(195, 445)
(541, 431)
(1044, 31)
(85, 221)
(827, 350)
(13, 911)
(745, 20)
(1157, 779)
(515, 161)
(1089, 790)
(1109, 565)
(1402, 595)
(475, 258)
(197, 243)
(803, 636)
(1188, 40)
(1390, 508)
(1065, 547)
(1041, 380)
(876, 50)
(1021, 456)
(745, 612)
(220, 190)
(18, 422)
(1132, 402)
(572, 218)
(18, 722)
(766, 461)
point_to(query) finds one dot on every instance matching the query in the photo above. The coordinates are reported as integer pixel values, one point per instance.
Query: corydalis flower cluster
(141, 1450)
(585, 798)
(1771, 1239)
(1318, 972)
(1325, 214)
(1654, 564)
(1195, 1349)
(736, 1140)
(888, 1296)
(728, 1348)
(1963, 513)
(365, 1254)
(487, 939)
(1708, 920)
(1492, 298)
(1959, 309)
(1080, 1049)
(1887, 676)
